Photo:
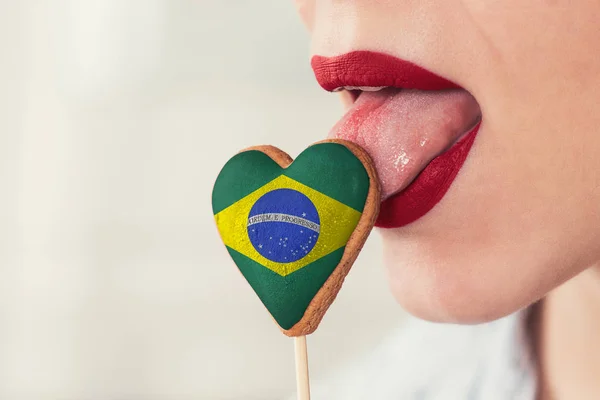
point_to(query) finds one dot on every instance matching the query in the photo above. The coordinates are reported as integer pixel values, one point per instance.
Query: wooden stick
(302, 382)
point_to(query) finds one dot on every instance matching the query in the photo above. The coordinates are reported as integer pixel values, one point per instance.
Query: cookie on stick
(295, 227)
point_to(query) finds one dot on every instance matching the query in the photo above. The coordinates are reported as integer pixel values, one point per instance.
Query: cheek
(306, 10)
(537, 42)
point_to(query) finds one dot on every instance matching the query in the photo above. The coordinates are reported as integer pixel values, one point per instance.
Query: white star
(304, 214)
(270, 237)
(260, 246)
(301, 231)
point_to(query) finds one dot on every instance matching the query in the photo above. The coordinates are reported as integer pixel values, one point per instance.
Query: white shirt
(429, 361)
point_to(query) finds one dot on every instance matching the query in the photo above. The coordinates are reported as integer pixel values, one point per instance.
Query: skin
(522, 217)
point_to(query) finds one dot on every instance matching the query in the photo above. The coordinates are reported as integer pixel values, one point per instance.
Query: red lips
(399, 119)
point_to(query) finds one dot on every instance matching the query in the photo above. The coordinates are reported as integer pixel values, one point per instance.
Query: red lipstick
(366, 68)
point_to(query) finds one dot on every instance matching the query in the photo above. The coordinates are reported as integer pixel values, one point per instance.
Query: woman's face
(522, 213)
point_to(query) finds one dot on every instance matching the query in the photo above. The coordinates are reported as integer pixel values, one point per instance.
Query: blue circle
(283, 225)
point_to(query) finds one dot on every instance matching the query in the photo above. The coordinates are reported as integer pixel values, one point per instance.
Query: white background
(115, 118)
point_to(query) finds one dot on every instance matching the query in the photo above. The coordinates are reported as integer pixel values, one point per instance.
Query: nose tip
(306, 10)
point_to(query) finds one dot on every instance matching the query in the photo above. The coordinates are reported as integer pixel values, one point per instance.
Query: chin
(453, 282)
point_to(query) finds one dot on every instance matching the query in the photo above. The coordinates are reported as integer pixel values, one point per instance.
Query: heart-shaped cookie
(294, 228)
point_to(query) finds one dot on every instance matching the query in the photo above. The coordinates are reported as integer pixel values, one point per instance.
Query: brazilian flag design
(286, 229)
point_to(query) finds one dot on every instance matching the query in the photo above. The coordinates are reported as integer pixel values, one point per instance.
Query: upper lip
(371, 69)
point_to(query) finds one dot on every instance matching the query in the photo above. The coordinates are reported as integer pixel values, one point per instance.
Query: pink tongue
(403, 130)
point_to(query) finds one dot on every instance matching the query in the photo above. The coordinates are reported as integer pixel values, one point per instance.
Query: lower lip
(428, 188)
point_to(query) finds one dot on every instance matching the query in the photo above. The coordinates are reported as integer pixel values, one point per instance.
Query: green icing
(243, 174)
(287, 298)
(345, 178)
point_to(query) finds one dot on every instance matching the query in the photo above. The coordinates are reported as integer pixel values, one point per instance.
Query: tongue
(403, 130)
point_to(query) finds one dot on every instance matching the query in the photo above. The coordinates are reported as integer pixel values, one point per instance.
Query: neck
(569, 338)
